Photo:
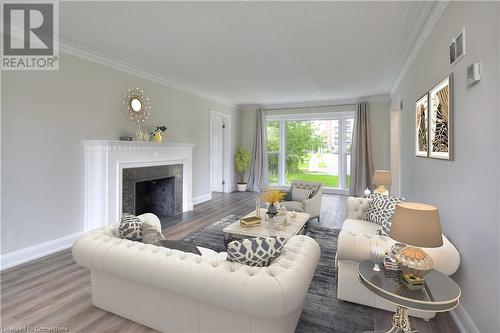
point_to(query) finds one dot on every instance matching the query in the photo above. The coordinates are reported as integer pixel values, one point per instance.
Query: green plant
(242, 162)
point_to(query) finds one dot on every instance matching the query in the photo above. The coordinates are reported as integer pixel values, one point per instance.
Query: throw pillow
(288, 196)
(381, 208)
(258, 251)
(150, 234)
(180, 245)
(386, 228)
(130, 227)
(299, 194)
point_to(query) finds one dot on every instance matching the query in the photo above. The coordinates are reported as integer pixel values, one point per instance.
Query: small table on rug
(439, 294)
(266, 228)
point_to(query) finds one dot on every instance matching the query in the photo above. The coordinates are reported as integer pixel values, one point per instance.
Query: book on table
(251, 221)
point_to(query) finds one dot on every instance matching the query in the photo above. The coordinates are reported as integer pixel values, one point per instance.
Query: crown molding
(321, 103)
(71, 46)
(428, 23)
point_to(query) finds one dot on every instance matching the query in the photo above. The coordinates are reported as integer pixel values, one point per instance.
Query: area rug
(322, 311)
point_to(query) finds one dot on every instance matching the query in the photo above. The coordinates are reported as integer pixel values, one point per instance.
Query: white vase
(242, 187)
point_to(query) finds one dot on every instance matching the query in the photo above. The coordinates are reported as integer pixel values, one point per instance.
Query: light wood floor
(55, 292)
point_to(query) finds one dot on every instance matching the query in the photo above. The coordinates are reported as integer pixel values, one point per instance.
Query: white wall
(379, 122)
(465, 190)
(47, 114)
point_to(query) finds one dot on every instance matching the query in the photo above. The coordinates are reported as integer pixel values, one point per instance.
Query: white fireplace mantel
(104, 164)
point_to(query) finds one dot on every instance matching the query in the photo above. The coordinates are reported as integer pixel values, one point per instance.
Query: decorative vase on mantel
(158, 137)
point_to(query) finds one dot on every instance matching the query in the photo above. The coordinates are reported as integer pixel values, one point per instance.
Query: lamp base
(414, 263)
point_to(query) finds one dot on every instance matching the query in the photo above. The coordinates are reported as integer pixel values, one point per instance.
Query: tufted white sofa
(355, 241)
(173, 291)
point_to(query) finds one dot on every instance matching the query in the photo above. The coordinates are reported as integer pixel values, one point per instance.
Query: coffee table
(440, 293)
(294, 226)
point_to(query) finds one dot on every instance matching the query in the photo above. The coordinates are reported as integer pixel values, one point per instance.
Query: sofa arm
(357, 207)
(357, 247)
(312, 206)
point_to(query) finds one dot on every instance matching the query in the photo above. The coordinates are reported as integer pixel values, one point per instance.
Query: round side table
(439, 294)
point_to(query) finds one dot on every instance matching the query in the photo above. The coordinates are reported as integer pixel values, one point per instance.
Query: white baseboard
(202, 198)
(463, 321)
(21, 256)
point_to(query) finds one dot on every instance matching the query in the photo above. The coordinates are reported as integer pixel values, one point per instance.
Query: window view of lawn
(311, 151)
(304, 173)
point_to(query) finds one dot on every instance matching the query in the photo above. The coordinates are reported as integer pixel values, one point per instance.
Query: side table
(439, 294)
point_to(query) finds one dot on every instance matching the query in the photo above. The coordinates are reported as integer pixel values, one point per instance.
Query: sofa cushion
(360, 227)
(294, 205)
(130, 227)
(258, 251)
(183, 246)
(381, 208)
(150, 234)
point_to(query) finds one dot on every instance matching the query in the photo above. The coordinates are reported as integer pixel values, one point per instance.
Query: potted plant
(242, 163)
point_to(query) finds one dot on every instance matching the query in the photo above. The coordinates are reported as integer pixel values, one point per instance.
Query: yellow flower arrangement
(273, 196)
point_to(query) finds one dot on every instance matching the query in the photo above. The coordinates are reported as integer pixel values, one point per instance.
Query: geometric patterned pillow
(257, 252)
(130, 227)
(381, 208)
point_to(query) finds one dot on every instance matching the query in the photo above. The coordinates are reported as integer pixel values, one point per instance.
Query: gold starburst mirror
(136, 105)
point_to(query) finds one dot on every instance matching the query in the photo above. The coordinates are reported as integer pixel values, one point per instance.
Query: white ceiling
(253, 52)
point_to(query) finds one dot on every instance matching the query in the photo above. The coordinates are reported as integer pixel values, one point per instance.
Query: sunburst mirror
(136, 105)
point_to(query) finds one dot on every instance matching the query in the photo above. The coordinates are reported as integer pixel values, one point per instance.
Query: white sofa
(173, 291)
(355, 241)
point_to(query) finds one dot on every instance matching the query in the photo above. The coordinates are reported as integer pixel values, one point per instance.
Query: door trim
(227, 149)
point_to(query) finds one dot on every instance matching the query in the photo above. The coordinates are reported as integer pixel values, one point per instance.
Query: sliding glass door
(310, 148)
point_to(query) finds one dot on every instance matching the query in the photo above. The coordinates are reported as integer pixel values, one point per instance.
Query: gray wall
(465, 190)
(379, 122)
(46, 115)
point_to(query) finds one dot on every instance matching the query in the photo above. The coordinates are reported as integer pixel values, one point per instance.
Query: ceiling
(253, 52)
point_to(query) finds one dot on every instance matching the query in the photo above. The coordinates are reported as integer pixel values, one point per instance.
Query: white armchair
(312, 205)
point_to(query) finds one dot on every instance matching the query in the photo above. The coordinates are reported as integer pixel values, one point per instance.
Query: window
(310, 148)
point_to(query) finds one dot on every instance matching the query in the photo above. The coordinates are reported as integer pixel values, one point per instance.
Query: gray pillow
(130, 227)
(258, 251)
(299, 194)
(150, 235)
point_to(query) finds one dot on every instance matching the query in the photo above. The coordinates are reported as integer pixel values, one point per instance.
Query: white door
(217, 153)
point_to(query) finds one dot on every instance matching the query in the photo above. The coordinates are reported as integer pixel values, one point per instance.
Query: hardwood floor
(54, 291)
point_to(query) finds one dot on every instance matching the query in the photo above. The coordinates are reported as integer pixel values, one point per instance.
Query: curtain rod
(306, 107)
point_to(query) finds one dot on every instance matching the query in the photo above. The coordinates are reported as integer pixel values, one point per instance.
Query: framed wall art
(422, 126)
(440, 120)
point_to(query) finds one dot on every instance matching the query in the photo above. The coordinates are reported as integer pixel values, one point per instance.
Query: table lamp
(381, 178)
(416, 225)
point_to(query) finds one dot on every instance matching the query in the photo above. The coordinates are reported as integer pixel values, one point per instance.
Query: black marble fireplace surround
(153, 189)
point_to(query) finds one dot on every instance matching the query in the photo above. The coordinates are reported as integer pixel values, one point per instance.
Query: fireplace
(113, 167)
(153, 189)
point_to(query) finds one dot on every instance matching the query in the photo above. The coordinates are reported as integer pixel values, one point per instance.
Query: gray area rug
(322, 311)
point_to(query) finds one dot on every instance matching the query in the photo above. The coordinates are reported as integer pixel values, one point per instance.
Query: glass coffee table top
(440, 293)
